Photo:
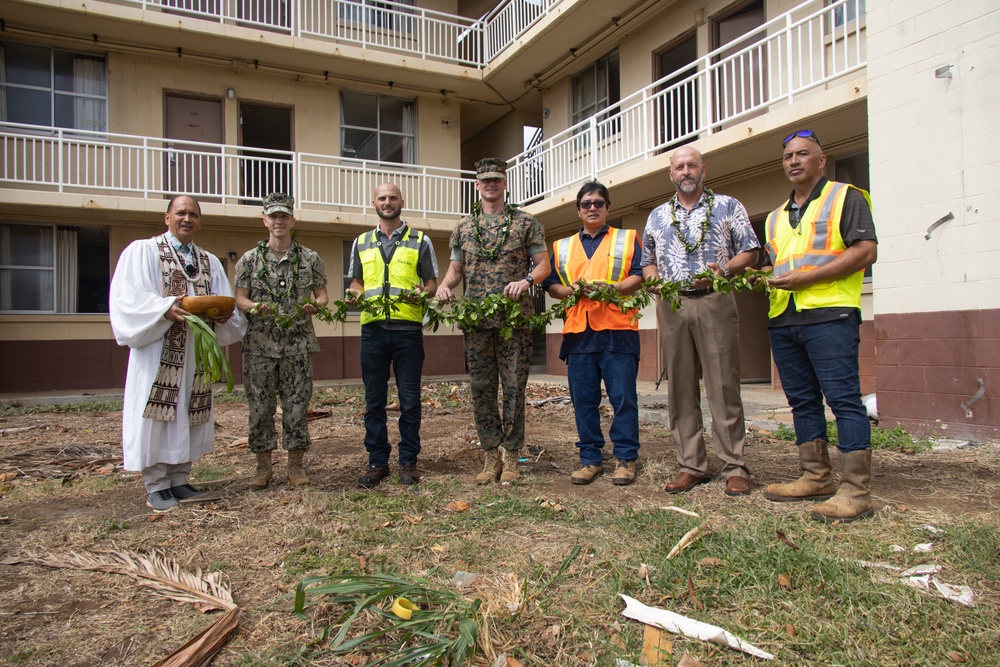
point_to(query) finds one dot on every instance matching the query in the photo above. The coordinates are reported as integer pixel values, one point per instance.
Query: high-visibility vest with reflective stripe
(611, 263)
(381, 279)
(816, 241)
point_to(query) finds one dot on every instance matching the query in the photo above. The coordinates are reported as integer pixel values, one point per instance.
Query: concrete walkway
(764, 408)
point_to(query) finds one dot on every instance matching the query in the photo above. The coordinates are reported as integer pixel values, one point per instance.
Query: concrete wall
(934, 148)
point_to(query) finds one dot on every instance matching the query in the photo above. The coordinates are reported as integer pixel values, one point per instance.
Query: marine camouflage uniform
(491, 360)
(278, 360)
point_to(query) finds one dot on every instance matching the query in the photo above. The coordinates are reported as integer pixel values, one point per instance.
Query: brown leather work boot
(816, 482)
(586, 474)
(624, 473)
(373, 476)
(296, 471)
(511, 466)
(492, 467)
(854, 497)
(262, 477)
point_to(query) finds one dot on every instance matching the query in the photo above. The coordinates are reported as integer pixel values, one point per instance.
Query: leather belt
(695, 293)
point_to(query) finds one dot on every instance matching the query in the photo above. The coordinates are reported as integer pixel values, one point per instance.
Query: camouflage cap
(279, 201)
(491, 167)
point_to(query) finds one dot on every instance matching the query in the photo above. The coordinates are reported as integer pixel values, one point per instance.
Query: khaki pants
(702, 338)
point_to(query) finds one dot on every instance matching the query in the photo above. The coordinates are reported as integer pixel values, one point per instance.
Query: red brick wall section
(47, 365)
(928, 364)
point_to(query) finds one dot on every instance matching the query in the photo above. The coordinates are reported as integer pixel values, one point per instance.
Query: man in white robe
(167, 421)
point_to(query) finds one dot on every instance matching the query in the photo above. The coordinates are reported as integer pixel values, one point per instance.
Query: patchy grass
(85, 407)
(896, 439)
(811, 603)
(551, 558)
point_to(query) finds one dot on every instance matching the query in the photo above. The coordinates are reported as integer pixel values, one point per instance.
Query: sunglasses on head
(597, 203)
(805, 134)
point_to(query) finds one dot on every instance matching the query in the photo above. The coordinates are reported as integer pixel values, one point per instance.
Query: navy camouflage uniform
(279, 360)
(492, 360)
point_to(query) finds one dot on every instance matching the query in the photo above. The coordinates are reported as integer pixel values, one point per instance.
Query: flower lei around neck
(283, 283)
(675, 223)
(505, 218)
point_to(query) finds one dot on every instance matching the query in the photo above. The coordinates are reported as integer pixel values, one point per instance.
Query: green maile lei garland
(265, 275)
(505, 220)
(675, 223)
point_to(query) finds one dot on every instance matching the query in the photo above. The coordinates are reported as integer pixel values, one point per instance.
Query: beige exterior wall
(934, 149)
(137, 87)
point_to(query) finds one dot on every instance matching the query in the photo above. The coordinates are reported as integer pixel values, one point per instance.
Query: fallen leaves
(458, 506)
(784, 580)
(788, 542)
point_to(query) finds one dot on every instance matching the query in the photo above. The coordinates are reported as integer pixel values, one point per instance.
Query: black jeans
(403, 349)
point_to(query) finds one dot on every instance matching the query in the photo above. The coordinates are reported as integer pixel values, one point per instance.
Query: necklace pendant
(282, 283)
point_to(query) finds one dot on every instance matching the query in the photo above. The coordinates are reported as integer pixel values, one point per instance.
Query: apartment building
(108, 107)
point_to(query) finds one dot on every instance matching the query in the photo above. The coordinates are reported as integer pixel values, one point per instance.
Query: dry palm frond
(690, 537)
(59, 462)
(202, 648)
(154, 570)
(167, 578)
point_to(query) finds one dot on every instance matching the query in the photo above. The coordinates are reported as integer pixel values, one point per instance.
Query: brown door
(755, 346)
(740, 83)
(261, 172)
(677, 112)
(190, 168)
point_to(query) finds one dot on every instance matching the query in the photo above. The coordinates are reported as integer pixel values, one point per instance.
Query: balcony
(803, 50)
(70, 161)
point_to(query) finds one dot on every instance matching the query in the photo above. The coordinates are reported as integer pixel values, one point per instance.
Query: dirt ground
(66, 617)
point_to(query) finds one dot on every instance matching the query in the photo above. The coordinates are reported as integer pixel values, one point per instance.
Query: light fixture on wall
(943, 72)
(232, 255)
(231, 93)
(545, 113)
(445, 122)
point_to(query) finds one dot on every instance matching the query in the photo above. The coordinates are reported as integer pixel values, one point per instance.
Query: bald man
(694, 231)
(385, 261)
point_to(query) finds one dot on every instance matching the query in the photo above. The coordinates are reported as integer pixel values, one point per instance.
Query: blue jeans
(818, 360)
(404, 351)
(619, 373)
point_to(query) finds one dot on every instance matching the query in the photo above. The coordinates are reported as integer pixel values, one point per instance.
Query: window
(54, 269)
(849, 10)
(378, 127)
(51, 87)
(596, 88)
(388, 15)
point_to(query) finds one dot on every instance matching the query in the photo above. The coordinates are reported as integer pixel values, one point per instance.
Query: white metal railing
(800, 50)
(380, 24)
(43, 158)
(509, 20)
(383, 24)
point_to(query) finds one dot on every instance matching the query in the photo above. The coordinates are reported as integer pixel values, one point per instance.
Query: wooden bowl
(213, 307)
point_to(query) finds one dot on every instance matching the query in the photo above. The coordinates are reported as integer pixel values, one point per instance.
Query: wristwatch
(530, 279)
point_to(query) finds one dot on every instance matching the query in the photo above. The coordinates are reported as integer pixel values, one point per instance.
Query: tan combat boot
(816, 482)
(511, 470)
(262, 477)
(492, 468)
(854, 497)
(296, 471)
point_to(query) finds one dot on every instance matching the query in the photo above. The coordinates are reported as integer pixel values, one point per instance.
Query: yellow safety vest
(815, 242)
(381, 279)
(611, 262)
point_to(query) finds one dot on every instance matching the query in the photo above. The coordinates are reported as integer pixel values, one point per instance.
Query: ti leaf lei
(505, 219)
(470, 313)
(675, 223)
(265, 275)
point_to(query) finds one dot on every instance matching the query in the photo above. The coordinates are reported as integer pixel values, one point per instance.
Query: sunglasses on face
(804, 134)
(597, 203)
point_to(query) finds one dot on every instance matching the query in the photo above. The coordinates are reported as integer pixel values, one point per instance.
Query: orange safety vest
(610, 263)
